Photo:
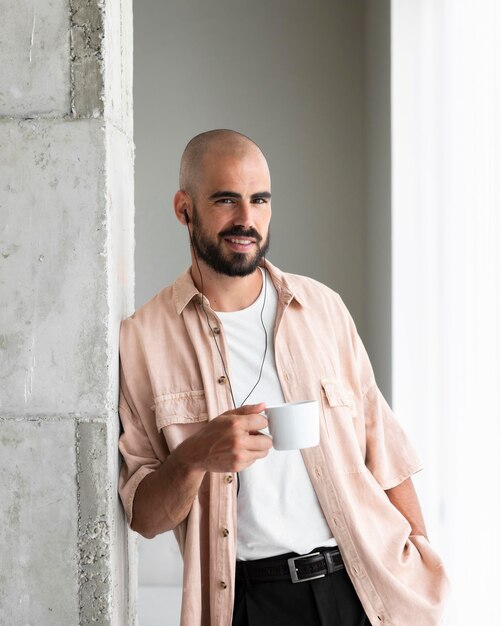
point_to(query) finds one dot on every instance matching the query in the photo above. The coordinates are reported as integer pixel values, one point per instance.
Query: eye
(225, 201)
(260, 200)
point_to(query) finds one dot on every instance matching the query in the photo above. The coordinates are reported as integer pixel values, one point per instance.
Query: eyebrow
(232, 194)
(224, 194)
(261, 194)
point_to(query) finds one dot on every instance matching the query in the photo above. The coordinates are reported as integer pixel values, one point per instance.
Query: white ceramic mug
(294, 425)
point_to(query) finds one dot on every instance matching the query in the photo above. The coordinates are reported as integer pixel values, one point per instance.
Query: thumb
(247, 409)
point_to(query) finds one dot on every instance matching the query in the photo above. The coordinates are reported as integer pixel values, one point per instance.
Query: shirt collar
(287, 287)
(184, 291)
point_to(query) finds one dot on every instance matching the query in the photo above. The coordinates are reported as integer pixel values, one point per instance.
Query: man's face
(231, 215)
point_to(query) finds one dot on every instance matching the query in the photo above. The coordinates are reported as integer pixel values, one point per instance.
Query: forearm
(404, 498)
(164, 498)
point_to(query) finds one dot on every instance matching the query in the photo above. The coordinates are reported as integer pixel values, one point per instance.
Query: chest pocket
(344, 427)
(338, 396)
(180, 415)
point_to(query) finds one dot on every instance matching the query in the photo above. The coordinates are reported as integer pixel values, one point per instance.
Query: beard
(233, 263)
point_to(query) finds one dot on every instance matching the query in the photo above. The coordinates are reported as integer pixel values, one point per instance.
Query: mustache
(241, 232)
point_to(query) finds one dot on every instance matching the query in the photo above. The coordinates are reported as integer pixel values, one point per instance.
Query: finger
(249, 457)
(247, 409)
(254, 422)
(258, 442)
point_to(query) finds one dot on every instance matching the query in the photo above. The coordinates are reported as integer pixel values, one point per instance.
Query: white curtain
(446, 264)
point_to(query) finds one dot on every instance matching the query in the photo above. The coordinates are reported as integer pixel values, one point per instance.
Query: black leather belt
(297, 569)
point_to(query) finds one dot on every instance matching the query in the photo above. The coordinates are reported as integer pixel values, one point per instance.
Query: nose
(243, 215)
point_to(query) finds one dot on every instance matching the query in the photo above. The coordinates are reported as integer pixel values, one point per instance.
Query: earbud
(186, 216)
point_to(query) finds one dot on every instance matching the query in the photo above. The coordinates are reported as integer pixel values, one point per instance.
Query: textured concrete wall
(35, 67)
(66, 280)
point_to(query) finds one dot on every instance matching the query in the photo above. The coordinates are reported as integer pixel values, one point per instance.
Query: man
(199, 363)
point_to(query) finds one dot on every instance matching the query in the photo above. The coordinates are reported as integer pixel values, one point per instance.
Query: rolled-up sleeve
(390, 456)
(142, 446)
(138, 456)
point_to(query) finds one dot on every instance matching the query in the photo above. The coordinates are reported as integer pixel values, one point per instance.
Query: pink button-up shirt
(172, 383)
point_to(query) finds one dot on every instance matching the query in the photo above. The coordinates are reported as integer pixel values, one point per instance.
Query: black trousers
(327, 601)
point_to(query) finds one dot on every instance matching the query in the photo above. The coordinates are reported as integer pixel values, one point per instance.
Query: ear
(182, 203)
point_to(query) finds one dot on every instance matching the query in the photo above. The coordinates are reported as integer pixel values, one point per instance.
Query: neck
(227, 293)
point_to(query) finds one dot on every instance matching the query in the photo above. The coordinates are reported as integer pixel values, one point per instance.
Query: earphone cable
(209, 324)
(214, 335)
(265, 283)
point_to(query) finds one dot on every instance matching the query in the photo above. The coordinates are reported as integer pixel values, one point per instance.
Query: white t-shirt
(277, 508)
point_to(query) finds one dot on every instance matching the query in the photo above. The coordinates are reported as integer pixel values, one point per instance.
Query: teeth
(243, 242)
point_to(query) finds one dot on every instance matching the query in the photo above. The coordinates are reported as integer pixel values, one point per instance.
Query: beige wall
(377, 223)
(290, 75)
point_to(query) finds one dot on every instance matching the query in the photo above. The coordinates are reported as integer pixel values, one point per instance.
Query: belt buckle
(293, 569)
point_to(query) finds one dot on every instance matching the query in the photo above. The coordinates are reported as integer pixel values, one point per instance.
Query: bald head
(218, 143)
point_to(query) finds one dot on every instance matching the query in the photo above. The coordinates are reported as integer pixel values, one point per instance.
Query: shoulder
(310, 285)
(312, 292)
(320, 303)
(159, 310)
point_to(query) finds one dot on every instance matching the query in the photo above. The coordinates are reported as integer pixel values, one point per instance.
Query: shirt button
(222, 380)
(216, 330)
(223, 585)
(228, 479)
(225, 532)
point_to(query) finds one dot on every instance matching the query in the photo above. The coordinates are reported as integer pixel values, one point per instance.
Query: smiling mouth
(240, 242)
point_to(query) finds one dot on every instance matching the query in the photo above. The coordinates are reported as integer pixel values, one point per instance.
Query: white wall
(447, 281)
(309, 82)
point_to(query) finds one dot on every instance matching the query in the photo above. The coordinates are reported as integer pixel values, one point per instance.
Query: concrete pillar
(66, 280)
